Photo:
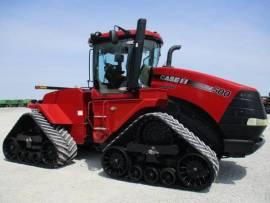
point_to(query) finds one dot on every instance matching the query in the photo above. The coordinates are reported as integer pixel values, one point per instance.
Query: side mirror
(113, 37)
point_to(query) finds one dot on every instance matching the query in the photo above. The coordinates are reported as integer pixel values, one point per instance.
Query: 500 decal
(219, 91)
(184, 81)
(222, 92)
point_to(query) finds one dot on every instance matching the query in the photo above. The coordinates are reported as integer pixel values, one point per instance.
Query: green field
(14, 102)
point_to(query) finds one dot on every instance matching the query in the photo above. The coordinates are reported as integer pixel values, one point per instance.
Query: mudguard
(54, 114)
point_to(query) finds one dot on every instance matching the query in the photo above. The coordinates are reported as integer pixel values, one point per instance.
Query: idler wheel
(115, 162)
(10, 149)
(195, 172)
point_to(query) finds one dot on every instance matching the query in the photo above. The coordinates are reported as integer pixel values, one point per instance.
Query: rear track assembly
(33, 140)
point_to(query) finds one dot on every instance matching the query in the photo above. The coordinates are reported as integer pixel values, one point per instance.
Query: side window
(146, 57)
(110, 63)
(145, 68)
(151, 54)
(112, 71)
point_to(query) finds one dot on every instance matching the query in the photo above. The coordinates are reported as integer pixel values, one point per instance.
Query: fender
(53, 113)
(67, 107)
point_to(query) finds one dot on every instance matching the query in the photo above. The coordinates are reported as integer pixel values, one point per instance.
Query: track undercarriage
(33, 140)
(156, 148)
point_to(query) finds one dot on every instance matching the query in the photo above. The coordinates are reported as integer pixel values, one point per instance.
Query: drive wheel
(153, 131)
(167, 176)
(195, 172)
(10, 149)
(115, 162)
(135, 173)
(49, 154)
(151, 175)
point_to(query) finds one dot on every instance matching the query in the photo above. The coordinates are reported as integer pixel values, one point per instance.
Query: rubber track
(63, 142)
(182, 132)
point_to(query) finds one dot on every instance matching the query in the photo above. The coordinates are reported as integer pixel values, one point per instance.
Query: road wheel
(135, 173)
(168, 176)
(151, 175)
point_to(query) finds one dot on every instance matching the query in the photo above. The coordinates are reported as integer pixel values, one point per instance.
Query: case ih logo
(217, 90)
(174, 79)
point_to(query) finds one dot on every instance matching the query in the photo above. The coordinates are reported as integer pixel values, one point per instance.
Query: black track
(33, 140)
(188, 168)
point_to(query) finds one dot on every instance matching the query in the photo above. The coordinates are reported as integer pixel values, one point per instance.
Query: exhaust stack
(135, 64)
(170, 52)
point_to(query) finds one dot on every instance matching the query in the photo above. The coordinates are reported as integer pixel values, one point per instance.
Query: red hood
(210, 93)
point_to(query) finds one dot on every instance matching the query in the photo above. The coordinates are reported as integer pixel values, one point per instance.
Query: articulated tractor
(161, 125)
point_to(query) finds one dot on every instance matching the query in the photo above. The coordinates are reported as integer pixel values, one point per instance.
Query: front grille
(245, 105)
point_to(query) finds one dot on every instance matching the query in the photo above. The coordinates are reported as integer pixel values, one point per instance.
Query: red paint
(119, 110)
(61, 107)
(54, 113)
(132, 33)
(83, 111)
(210, 102)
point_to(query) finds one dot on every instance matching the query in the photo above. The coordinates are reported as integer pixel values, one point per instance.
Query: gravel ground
(239, 180)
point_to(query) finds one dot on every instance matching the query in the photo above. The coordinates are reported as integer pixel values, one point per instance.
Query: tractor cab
(122, 59)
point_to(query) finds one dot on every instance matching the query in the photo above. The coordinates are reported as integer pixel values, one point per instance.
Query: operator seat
(114, 73)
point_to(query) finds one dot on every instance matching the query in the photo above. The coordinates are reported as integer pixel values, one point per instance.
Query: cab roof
(99, 37)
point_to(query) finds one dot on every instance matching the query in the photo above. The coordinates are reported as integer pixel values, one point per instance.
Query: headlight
(257, 122)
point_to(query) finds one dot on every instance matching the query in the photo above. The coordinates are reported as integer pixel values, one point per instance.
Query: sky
(45, 42)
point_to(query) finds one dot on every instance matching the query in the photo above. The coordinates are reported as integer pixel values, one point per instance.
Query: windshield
(111, 61)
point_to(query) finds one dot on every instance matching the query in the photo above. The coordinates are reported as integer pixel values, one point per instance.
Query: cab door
(110, 111)
(113, 111)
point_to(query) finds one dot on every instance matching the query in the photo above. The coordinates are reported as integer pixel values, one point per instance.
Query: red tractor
(158, 124)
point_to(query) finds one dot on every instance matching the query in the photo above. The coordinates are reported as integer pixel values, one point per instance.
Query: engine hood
(210, 93)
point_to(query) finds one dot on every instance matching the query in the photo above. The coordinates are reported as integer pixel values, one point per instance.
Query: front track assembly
(137, 154)
(33, 140)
